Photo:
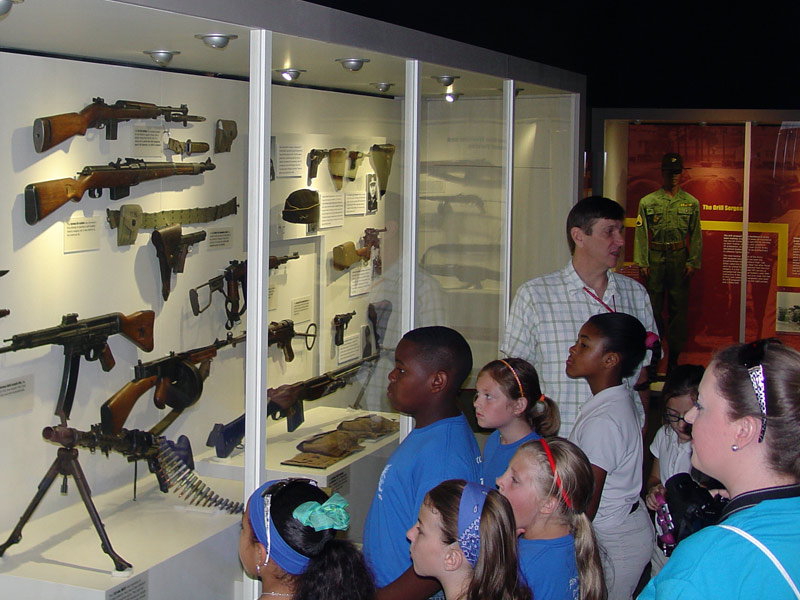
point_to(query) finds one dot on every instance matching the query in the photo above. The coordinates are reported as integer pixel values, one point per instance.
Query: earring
(735, 447)
(258, 571)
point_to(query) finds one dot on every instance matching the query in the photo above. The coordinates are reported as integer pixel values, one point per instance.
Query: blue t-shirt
(443, 450)
(496, 456)
(718, 563)
(548, 567)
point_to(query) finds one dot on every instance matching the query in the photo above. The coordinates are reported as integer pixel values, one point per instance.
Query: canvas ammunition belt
(130, 218)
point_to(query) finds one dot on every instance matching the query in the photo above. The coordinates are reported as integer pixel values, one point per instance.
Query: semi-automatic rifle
(50, 131)
(227, 283)
(172, 247)
(346, 255)
(178, 381)
(44, 197)
(282, 332)
(87, 338)
(340, 323)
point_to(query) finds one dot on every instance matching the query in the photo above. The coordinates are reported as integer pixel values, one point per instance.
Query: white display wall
(46, 281)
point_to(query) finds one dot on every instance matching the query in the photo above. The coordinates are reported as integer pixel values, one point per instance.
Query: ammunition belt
(130, 218)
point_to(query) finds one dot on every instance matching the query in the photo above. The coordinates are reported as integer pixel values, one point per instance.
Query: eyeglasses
(752, 356)
(673, 417)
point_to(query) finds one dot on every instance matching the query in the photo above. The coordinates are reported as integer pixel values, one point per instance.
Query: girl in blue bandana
(287, 542)
(465, 538)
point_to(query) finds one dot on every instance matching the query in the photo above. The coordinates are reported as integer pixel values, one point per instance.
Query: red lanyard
(600, 300)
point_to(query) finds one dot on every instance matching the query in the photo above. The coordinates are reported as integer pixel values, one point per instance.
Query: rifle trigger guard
(311, 333)
(95, 192)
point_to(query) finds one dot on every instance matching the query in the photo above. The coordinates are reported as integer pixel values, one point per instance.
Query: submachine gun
(281, 333)
(227, 283)
(87, 338)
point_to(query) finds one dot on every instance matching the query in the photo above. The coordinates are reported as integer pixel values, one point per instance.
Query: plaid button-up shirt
(545, 318)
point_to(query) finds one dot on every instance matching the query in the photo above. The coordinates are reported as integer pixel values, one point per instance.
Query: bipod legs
(66, 463)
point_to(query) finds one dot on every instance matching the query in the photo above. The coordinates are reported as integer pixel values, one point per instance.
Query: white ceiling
(110, 31)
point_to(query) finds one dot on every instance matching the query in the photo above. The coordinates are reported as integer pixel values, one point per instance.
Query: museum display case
(317, 190)
(741, 167)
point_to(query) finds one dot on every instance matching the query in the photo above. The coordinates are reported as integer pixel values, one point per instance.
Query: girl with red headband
(549, 485)
(609, 348)
(510, 401)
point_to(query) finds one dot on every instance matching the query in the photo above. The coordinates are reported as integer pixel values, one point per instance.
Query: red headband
(549, 454)
(514, 373)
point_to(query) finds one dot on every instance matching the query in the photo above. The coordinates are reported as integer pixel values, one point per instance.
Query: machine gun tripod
(66, 464)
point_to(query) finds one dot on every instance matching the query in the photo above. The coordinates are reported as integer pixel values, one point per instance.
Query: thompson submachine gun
(44, 197)
(234, 275)
(287, 400)
(282, 332)
(87, 338)
(178, 381)
(340, 323)
(171, 249)
(50, 131)
(346, 255)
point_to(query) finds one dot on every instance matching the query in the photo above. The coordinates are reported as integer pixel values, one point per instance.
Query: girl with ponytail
(288, 542)
(549, 483)
(510, 401)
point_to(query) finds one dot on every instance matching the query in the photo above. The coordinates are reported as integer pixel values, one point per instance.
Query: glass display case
(742, 170)
(317, 190)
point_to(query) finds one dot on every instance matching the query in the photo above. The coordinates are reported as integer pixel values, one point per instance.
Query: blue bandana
(286, 557)
(469, 520)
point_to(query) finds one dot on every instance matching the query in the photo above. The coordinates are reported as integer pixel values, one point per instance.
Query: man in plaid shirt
(548, 311)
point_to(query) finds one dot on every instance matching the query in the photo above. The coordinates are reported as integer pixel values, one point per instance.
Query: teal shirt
(717, 563)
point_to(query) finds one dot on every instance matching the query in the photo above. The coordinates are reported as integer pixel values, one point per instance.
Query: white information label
(350, 349)
(148, 142)
(81, 234)
(133, 589)
(301, 309)
(360, 280)
(271, 294)
(290, 161)
(16, 395)
(220, 238)
(355, 203)
(331, 209)
(340, 482)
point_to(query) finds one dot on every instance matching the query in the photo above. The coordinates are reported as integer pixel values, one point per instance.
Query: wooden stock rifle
(44, 197)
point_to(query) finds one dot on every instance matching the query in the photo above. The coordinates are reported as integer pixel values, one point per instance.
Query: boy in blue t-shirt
(431, 363)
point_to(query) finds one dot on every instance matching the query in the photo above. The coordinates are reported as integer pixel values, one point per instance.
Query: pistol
(340, 323)
(312, 160)
(171, 248)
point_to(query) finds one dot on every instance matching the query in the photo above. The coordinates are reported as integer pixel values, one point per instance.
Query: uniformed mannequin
(668, 247)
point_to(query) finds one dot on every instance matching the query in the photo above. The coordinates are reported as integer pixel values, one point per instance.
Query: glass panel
(460, 279)
(544, 180)
(76, 262)
(773, 262)
(336, 217)
(714, 157)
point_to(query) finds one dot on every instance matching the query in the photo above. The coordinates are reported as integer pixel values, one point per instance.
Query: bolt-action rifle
(87, 338)
(44, 197)
(282, 332)
(234, 275)
(50, 131)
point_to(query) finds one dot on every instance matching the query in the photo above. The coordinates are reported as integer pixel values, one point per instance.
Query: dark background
(645, 54)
